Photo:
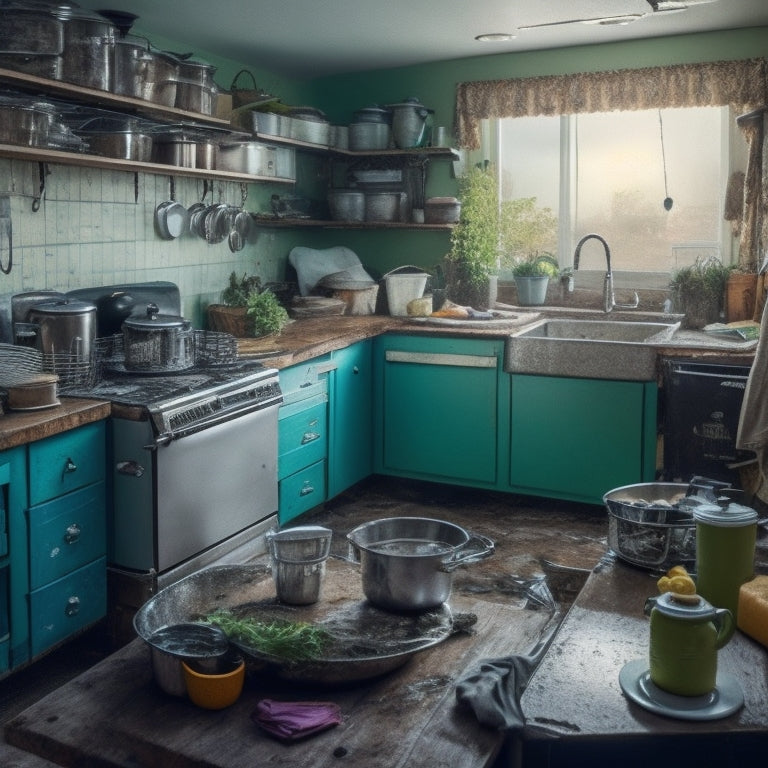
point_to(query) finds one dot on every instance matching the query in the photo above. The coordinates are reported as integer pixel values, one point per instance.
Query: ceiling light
(495, 37)
(609, 21)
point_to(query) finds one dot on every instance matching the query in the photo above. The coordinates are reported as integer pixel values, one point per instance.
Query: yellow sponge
(753, 609)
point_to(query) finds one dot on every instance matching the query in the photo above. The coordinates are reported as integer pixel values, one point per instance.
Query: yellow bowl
(214, 691)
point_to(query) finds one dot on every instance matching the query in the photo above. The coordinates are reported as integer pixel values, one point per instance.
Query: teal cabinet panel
(578, 438)
(66, 462)
(301, 491)
(66, 533)
(5, 618)
(302, 438)
(350, 449)
(439, 409)
(68, 604)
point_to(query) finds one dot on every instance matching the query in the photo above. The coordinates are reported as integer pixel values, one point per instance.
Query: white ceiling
(305, 39)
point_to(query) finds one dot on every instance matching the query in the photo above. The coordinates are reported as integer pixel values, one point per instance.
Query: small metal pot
(408, 562)
(156, 342)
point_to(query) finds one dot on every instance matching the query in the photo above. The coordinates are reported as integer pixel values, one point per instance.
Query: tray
(367, 641)
(500, 319)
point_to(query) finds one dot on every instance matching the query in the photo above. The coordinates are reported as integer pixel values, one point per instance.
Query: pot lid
(64, 307)
(154, 321)
(732, 516)
(412, 102)
(687, 607)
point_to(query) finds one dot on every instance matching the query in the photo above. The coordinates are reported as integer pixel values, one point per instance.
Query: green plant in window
(698, 291)
(536, 265)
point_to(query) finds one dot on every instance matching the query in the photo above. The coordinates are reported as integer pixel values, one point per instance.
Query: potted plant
(247, 309)
(471, 265)
(698, 291)
(532, 276)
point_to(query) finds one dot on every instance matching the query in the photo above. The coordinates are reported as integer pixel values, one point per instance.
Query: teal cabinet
(578, 438)
(53, 579)
(437, 409)
(350, 450)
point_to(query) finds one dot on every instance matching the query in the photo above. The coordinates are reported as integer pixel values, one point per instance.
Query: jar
(686, 634)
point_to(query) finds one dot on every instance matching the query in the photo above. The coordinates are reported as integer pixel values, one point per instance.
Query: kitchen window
(651, 182)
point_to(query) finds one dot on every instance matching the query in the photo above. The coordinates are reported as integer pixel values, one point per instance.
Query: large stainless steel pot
(25, 122)
(121, 139)
(144, 73)
(408, 562)
(89, 43)
(156, 342)
(67, 326)
(195, 89)
(31, 40)
(408, 122)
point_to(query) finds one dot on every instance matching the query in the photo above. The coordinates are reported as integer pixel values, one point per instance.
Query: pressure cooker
(157, 343)
(65, 326)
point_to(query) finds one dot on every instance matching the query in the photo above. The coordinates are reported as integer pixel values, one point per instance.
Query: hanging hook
(668, 202)
(37, 201)
(172, 188)
(243, 193)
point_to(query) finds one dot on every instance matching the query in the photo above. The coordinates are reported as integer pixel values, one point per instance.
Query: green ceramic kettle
(686, 634)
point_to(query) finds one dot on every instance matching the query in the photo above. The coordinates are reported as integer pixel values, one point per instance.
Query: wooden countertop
(21, 427)
(575, 692)
(115, 715)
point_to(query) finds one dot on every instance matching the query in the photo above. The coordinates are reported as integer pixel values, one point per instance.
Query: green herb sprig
(289, 640)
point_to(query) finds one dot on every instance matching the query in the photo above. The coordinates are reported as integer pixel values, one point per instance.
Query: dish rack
(19, 365)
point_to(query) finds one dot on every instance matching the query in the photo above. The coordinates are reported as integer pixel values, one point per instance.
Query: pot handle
(477, 548)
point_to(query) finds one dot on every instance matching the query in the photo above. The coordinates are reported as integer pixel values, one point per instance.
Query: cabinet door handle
(73, 606)
(129, 467)
(73, 533)
(69, 466)
(306, 489)
(310, 437)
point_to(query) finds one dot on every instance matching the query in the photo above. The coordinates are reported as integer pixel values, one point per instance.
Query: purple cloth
(291, 720)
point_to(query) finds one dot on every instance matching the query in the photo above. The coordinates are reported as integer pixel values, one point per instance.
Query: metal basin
(595, 349)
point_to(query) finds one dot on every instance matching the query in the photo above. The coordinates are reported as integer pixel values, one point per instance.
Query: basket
(241, 97)
(233, 320)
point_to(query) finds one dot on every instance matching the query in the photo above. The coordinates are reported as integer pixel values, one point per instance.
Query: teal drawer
(302, 439)
(66, 462)
(68, 605)
(66, 533)
(301, 491)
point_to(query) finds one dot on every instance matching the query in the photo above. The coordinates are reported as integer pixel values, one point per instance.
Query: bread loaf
(753, 609)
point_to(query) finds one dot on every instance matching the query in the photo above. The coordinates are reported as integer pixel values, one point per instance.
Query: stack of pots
(195, 88)
(370, 129)
(143, 73)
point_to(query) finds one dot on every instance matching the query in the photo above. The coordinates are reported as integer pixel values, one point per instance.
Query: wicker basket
(233, 320)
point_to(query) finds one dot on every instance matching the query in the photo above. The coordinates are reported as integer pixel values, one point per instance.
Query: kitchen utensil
(25, 122)
(175, 149)
(89, 43)
(650, 525)
(366, 136)
(725, 553)
(112, 310)
(365, 642)
(298, 562)
(373, 114)
(171, 219)
(686, 633)
(408, 122)
(383, 206)
(214, 691)
(441, 210)
(156, 342)
(407, 563)
(257, 158)
(38, 392)
(66, 326)
(196, 90)
(117, 137)
(404, 284)
(6, 235)
(346, 204)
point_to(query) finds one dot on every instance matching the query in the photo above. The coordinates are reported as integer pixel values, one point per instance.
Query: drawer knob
(310, 437)
(73, 606)
(306, 489)
(72, 535)
(69, 466)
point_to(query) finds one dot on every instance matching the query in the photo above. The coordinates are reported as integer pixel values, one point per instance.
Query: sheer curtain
(742, 85)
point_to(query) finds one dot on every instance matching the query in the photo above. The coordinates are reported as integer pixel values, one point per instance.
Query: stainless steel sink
(595, 349)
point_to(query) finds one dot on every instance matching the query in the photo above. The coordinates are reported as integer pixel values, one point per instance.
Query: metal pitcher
(408, 121)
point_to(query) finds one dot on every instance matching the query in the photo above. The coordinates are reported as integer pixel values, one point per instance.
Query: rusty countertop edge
(304, 340)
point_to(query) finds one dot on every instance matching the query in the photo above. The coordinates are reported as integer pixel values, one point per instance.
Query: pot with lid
(157, 343)
(408, 121)
(66, 326)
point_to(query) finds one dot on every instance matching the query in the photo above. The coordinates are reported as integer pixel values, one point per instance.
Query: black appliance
(701, 406)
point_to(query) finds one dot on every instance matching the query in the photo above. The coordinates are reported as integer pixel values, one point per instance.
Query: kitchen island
(115, 715)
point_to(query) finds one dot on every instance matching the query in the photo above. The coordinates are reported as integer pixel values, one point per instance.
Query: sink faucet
(609, 301)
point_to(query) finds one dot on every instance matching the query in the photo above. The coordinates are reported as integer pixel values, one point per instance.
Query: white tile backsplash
(96, 227)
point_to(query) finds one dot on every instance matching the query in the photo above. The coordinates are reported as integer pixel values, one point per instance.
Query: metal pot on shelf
(157, 343)
(408, 122)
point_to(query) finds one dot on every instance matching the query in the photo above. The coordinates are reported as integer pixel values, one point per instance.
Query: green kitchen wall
(91, 230)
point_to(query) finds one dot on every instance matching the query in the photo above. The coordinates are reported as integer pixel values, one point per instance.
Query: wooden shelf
(92, 96)
(37, 155)
(264, 221)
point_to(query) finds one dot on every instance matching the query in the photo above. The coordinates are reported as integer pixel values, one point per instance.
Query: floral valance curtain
(741, 84)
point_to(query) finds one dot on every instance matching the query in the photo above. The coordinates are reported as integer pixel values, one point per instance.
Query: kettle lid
(692, 607)
(732, 516)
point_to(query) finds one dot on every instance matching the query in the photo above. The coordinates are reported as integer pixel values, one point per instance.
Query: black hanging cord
(668, 202)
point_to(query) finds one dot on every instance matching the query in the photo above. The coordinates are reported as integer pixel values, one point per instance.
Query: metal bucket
(299, 556)
(403, 287)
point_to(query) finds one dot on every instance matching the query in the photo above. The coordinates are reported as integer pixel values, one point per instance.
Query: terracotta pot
(740, 294)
